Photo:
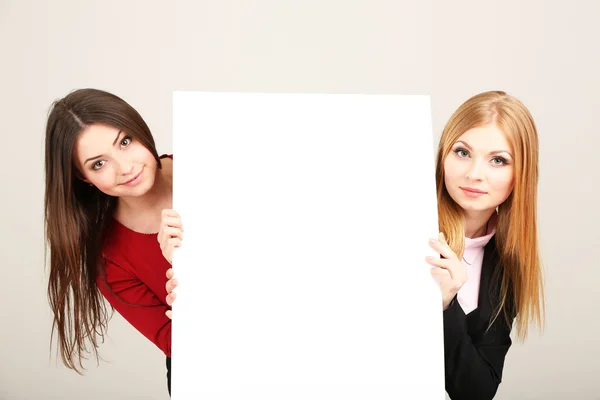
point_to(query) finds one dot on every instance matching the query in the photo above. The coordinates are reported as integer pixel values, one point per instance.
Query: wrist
(447, 300)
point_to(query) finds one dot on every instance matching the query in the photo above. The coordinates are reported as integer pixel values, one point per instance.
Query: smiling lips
(472, 192)
(135, 180)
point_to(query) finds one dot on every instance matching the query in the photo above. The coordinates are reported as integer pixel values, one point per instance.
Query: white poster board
(302, 274)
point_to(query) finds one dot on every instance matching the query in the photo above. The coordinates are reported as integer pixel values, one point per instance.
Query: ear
(85, 180)
(82, 178)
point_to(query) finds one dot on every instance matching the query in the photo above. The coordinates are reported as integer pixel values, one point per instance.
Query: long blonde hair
(521, 280)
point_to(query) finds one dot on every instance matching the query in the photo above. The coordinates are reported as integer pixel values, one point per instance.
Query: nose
(125, 166)
(474, 172)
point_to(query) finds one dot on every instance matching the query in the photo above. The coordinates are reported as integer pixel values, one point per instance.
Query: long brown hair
(77, 218)
(521, 282)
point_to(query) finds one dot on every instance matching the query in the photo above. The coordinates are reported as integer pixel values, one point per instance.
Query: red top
(136, 272)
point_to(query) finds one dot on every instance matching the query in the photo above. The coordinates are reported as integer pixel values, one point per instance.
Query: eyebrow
(93, 158)
(491, 152)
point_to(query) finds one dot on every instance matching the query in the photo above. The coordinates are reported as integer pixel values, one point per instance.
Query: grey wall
(545, 53)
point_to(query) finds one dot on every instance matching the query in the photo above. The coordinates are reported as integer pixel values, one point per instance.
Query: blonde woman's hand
(450, 271)
(170, 234)
(170, 286)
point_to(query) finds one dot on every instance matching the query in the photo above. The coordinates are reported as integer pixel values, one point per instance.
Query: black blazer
(474, 356)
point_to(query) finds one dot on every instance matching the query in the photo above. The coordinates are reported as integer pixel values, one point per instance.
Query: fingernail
(433, 241)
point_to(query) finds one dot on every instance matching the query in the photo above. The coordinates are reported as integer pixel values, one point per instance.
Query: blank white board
(302, 274)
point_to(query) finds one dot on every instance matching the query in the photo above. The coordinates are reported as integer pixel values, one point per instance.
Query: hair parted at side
(521, 284)
(76, 219)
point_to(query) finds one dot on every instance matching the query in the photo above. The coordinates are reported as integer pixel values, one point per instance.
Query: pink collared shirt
(468, 295)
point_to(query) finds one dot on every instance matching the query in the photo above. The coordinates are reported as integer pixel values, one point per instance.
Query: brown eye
(126, 141)
(98, 164)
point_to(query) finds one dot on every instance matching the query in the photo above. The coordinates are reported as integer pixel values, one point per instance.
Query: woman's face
(114, 162)
(479, 170)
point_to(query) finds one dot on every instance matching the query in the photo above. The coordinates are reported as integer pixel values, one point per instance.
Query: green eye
(461, 152)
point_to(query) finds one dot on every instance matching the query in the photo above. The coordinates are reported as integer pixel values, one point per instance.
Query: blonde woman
(489, 268)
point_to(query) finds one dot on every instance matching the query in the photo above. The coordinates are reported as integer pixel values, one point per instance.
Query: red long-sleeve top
(136, 275)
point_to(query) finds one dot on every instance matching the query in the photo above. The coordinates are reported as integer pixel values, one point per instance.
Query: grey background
(544, 52)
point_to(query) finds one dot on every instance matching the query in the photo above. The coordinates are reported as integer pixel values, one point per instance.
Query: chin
(477, 207)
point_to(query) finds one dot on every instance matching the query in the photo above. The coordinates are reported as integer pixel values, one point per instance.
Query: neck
(476, 223)
(158, 197)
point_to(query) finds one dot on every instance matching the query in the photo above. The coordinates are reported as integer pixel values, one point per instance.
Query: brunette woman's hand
(170, 234)
(170, 286)
(450, 271)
